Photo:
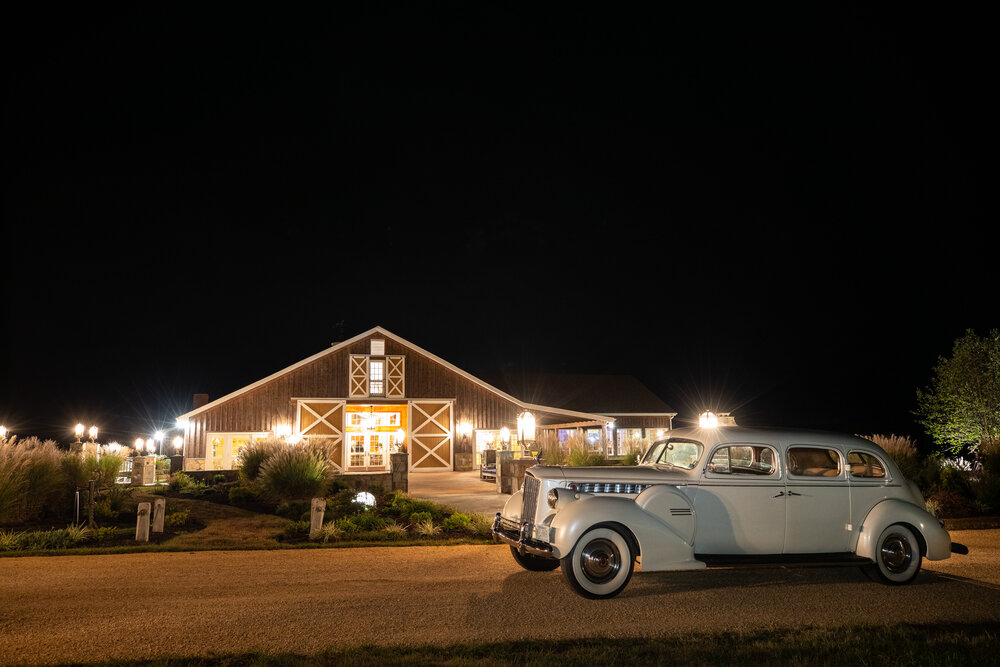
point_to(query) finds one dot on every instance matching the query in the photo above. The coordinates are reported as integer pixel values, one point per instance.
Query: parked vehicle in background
(713, 495)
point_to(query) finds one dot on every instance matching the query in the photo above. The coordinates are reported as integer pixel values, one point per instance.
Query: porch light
(465, 429)
(282, 430)
(526, 427)
(708, 419)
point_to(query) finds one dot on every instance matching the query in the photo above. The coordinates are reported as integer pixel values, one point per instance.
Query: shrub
(253, 456)
(10, 541)
(950, 505)
(239, 495)
(298, 509)
(419, 517)
(369, 521)
(31, 476)
(393, 531)
(481, 524)
(296, 528)
(456, 521)
(295, 474)
(176, 519)
(101, 534)
(426, 528)
(329, 531)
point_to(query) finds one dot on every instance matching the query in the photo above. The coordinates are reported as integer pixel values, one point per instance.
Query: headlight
(552, 498)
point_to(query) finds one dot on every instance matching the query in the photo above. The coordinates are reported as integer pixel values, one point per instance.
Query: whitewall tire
(601, 563)
(897, 556)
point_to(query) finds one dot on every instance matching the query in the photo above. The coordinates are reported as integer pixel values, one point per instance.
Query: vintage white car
(712, 495)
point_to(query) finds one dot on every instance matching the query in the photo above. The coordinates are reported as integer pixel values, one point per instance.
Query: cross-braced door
(324, 419)
(430, 435)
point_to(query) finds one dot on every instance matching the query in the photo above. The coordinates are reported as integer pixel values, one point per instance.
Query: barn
(377, 394)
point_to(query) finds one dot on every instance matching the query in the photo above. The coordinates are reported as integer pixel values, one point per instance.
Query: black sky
(778, 212)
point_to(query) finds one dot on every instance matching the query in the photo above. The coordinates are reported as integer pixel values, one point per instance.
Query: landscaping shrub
(457, 521)
(10, 540)
(298, 509)
(369, 521)
(176, 519)
(295, 474)
(31, 478)
(253, 456)
(951, 505)
(426, 528)
(419, 517)
(297, 528)
(239, 495)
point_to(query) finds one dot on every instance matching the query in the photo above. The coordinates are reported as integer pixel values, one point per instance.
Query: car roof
(775, 436)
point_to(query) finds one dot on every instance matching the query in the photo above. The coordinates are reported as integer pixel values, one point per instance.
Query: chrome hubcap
(600, 561)
(896, 554)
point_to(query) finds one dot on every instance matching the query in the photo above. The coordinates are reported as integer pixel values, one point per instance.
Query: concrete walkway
(462, 490)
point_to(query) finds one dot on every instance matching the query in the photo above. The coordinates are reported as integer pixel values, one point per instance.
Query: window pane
(813, 462)
(865, 465)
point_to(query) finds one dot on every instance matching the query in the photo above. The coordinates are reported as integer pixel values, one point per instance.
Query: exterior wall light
(526, 427)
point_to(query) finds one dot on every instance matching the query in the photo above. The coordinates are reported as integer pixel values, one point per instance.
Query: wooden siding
(272, 404)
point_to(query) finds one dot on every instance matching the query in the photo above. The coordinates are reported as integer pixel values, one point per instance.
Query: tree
(961, 408)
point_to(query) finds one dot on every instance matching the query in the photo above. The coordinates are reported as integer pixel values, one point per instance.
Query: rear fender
(935, 540)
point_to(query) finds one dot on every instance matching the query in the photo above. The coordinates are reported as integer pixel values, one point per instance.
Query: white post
(316, 517)
(142, 523)
(159, 509)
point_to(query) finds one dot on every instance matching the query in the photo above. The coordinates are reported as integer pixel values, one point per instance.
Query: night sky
(781, 213)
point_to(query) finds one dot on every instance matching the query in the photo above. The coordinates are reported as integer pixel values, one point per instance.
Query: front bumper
(517, 535)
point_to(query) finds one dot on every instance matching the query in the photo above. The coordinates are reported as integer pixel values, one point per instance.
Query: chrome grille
(529, 502)
(607, 487)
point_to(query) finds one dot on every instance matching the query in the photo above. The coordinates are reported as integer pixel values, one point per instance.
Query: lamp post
(177, 460)
(505, 438)
(526, 430)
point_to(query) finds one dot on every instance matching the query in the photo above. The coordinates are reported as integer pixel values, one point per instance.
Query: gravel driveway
(87, 608)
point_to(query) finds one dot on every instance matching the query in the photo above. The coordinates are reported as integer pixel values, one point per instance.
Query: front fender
(661, 545)
(936, 539)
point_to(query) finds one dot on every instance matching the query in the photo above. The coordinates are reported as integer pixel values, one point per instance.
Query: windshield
(674, 453)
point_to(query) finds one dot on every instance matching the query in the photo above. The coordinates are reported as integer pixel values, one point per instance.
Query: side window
(813, 462)
(720, 461)
(743, 460)
(865, 465)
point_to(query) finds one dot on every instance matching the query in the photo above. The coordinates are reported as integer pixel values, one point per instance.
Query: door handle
(780, 493)
(792, 493)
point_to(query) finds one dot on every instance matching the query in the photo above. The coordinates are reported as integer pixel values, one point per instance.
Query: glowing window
(376, 377)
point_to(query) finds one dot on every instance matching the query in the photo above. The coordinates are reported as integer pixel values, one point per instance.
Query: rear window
(814, 462)
(865, 465)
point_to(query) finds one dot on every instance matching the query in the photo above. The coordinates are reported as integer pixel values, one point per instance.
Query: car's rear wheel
(534, 563)
(897, 556)
(601, 563)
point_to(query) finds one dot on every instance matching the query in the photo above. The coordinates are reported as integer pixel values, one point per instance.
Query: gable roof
(528, 405)
(599, 394)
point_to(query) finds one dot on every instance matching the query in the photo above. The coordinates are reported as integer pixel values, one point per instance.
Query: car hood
(641, 474)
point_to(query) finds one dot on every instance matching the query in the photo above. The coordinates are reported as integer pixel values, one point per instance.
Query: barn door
(430, 435)
(324, 419)
(358, 376)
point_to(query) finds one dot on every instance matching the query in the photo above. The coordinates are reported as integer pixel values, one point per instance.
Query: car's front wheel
(897, 556)
(601, 563)
(534, 563)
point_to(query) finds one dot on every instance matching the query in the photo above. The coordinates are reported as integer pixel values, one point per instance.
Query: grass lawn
(974, 644)
(217, 525)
